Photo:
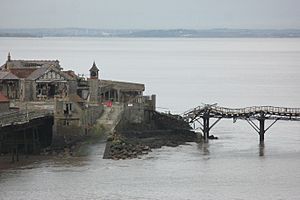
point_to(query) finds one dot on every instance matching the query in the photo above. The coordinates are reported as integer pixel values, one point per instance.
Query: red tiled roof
(32, 63)
(71, 73)
(6, 75)
(3, 99)
(22, 72)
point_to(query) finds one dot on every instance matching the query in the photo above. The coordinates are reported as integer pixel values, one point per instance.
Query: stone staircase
(111, 117)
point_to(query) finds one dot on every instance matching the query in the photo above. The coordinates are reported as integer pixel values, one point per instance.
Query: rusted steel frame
(201, 128)
(199, 122)
(215, 123)
(271, 124)
(253, 125)
(192, 120)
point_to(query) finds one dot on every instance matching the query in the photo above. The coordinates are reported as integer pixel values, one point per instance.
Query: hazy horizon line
(223, 28)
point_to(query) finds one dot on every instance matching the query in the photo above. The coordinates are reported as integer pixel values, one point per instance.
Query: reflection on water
(185, 172)
(204, 147)
(261, 148)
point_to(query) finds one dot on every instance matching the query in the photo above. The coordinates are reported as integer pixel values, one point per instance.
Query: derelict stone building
(33, 80)
(39, 80)
(76, 101)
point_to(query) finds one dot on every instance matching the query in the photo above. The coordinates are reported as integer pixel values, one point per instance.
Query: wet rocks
(212, 137)
(66, 151)
(128, 145)
(134, 139)
(120, 149)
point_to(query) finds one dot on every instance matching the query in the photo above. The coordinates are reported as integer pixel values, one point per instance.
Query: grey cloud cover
(150, 14)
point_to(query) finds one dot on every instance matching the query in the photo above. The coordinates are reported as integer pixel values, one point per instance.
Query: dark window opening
(68, 108)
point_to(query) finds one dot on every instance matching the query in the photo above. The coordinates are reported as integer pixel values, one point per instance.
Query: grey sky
(148, 14)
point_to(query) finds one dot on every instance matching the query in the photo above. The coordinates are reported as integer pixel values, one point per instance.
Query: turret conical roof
(94, 67)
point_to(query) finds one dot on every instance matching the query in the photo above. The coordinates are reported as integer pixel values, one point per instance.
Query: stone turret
(94, 72)
(93, 82)
(8, 63)
(8, 57)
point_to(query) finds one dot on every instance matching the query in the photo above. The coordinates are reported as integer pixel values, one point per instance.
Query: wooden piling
(12, 155)
(33, 141)
(25, 144)
(17, 153)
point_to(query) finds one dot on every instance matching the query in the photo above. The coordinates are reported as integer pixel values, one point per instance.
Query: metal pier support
(256, 116)
(260, 129)
(206, 128)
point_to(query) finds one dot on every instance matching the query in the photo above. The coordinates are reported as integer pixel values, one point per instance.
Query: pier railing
(242, 112)
(257, 109)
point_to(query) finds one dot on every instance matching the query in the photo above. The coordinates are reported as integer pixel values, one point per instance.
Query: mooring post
(262, 127)
(17, 153)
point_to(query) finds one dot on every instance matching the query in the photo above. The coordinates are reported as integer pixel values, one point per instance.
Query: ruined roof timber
(124, 86)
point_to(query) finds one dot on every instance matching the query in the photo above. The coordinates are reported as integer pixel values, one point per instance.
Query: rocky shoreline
(130, 140)
(132, 144)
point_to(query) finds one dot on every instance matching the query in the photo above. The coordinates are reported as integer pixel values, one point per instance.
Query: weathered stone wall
(22, 89)
(3, 89)
(72, 127)
(72, 87)
(4, 106)
(29, 90)
(33, 90)
(150, 102)
(94, 87)
(133, 113)
(139, 111)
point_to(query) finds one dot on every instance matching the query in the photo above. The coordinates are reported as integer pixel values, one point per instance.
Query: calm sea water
(183, 73)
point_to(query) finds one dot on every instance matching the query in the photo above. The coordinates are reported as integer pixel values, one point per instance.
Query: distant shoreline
(258, 37)
(135, 33)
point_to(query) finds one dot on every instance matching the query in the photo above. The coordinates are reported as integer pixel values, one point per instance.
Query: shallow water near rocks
(217, 170)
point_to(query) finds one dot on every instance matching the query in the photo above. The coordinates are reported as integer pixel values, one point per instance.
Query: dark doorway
(51, 90)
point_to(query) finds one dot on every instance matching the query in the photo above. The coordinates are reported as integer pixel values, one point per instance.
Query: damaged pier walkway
(250, 114)
(25, 131)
